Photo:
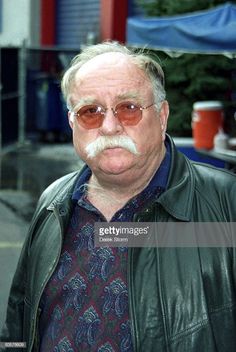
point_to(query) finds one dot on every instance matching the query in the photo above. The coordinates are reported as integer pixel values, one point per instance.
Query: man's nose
(110, 125)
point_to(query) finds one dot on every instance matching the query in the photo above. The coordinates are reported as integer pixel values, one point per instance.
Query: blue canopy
(212, 31)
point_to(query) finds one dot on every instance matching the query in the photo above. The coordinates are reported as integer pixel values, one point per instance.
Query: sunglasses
(92, 116)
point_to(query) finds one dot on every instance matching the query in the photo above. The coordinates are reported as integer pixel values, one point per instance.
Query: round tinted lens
(90, 116)
(128, 113)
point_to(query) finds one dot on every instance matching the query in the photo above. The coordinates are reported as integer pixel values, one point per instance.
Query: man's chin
(113, 166)
(112, 161)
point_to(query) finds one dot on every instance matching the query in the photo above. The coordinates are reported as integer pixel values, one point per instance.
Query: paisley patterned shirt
(85, 303)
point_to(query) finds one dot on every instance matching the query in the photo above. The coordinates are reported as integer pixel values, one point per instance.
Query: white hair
(148, 65)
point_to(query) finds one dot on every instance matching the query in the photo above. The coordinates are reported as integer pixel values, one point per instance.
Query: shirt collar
(159, 180)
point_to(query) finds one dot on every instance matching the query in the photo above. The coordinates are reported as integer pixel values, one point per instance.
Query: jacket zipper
(36, 315)
(130, 300)
(133, 323)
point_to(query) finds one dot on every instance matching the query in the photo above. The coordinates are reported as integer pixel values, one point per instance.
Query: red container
(207, 119)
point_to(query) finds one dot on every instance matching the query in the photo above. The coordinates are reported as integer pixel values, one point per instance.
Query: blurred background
(37, 44)
(195, 43)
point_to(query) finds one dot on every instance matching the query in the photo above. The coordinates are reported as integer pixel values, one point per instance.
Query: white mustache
(104, 142)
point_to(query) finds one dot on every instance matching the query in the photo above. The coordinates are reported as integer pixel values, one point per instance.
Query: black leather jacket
(180, 299)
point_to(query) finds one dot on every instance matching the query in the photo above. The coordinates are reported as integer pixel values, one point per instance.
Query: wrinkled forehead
(110, 75)
(109, 62)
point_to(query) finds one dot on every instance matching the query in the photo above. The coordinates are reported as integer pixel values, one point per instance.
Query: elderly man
(67, 294)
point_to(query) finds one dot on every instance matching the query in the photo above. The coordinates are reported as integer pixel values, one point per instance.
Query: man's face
(108, 80)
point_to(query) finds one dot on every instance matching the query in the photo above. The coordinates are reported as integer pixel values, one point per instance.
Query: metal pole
(0, 117)
(0, 101)
(22, 93)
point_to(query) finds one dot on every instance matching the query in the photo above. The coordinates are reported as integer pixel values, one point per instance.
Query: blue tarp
(211, 31)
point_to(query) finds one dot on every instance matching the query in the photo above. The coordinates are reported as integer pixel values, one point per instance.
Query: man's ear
(164, 114)
(70, 119)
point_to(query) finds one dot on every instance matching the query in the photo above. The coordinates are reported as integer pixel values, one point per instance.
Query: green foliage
(193, 77)
(174, 7)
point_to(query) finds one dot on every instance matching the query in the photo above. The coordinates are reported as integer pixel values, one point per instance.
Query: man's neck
(110, 194)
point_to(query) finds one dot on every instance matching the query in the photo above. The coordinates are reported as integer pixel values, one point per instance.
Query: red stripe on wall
(113, 19)
(48, 22)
